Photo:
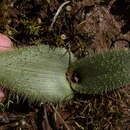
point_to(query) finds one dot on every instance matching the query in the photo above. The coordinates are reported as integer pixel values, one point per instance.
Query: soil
(85, 27)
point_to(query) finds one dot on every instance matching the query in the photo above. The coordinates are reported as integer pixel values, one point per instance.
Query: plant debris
(89, 27)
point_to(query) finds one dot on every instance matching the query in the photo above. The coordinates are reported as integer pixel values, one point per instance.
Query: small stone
(5, 45)
(23, 122)
(63, 36)
(69, 8)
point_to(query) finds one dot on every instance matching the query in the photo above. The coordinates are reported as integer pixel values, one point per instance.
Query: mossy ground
(83, 27)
